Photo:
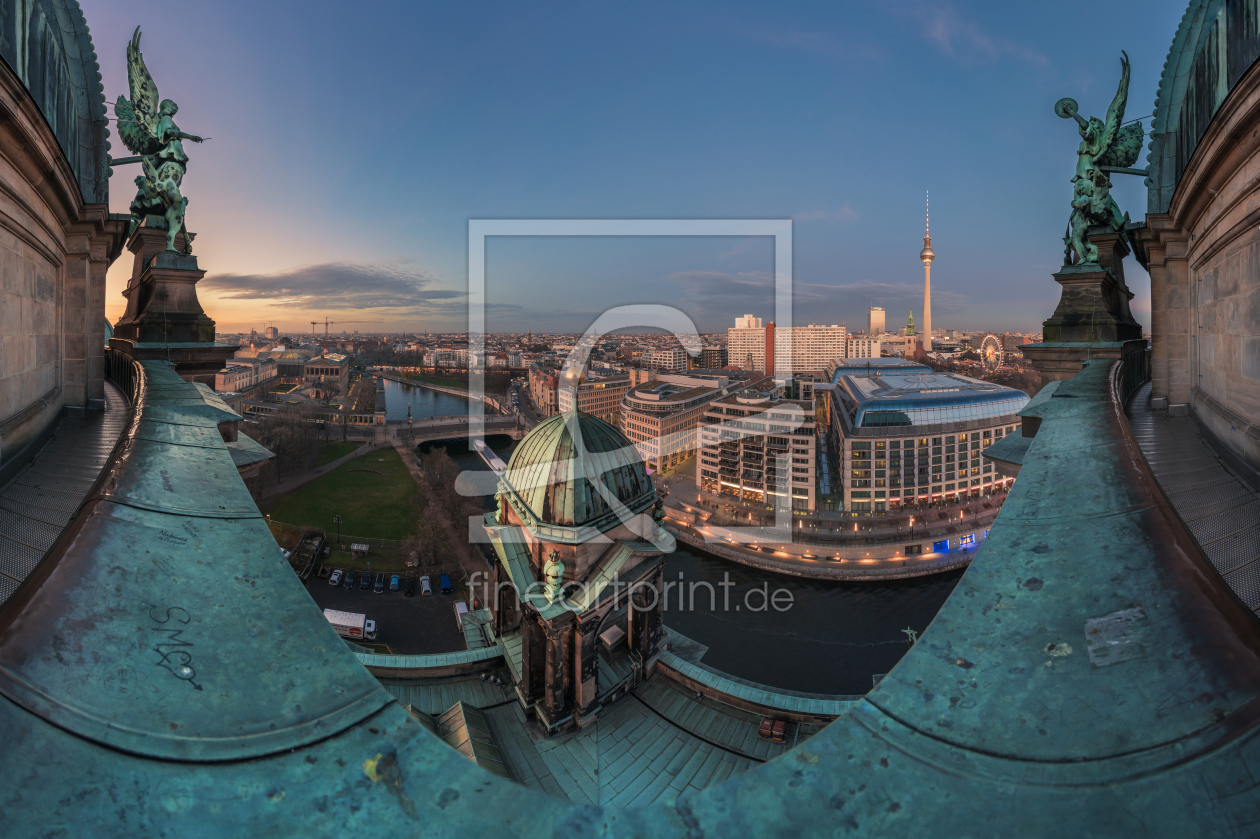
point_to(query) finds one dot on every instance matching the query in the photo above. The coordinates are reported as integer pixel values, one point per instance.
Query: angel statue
(1105, 147)
(148, 128)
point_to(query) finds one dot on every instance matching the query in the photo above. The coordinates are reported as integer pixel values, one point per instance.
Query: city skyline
(683, 119)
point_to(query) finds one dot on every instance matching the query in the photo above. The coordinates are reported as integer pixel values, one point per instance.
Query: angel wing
(1115, 113)
(1125, 148)
(144, 92)
(138, 140)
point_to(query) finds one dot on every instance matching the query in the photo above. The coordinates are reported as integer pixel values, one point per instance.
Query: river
(423, 401)
(824, 637)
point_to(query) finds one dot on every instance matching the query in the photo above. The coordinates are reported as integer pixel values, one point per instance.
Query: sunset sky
(349, 150)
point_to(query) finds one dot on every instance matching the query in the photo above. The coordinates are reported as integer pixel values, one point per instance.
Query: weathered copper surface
(1090, 676)
(166, 622)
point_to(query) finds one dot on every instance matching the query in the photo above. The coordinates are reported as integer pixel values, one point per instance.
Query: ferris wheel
(991, 352)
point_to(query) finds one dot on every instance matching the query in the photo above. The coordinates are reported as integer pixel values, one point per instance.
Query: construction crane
(328, 323)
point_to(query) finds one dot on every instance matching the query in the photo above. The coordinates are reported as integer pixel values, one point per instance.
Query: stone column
(646, 624)
(585, 666)
(1166, 247)
(533, 658)
(556, 678)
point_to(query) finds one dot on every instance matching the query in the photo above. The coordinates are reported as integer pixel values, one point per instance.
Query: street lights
(337, 521)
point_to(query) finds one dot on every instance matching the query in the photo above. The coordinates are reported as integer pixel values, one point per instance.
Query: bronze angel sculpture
(1105, 147)
(148, 129)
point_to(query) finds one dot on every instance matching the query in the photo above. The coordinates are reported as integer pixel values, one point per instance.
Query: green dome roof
(553, 475)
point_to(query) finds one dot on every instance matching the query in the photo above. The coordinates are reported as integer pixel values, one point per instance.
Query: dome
(551, 474)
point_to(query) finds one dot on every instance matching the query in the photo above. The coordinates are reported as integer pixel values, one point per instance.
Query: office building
(905, 436)
(595, 392)
(660, 416)
(875, 321)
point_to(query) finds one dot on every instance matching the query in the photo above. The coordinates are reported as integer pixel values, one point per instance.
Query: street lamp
(337, 521)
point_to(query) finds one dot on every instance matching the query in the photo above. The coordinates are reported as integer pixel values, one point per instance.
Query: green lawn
(332, 451)
(375, 496)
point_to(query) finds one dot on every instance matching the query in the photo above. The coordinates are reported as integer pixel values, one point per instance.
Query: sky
(349, 150)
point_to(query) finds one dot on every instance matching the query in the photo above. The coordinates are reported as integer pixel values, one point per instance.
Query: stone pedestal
(1093, 319)
(164, 319)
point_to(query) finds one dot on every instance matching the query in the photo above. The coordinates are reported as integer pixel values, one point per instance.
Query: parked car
(380, 583)
(425, 589)
(409, 587)
(365, 580)
(369, 630)
(393, 582)
(352, 577)
(335, 578)
(444, 583)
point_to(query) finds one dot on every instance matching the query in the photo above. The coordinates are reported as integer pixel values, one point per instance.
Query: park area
(379, 503)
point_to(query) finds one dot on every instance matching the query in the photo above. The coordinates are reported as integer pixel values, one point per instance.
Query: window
(914, 550)
(949, 440)
(936, 441)
(941, 547)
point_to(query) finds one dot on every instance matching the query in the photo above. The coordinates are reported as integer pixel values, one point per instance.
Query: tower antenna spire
(927, 218)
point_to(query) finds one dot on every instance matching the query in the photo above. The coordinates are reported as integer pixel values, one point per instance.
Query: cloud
(341, 286)
(957, 36)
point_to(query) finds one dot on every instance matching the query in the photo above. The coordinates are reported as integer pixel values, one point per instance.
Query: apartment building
(799, 349)
(757, 446)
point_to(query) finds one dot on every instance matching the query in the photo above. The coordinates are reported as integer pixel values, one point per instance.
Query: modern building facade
(596, 392)
(800, 349)
(875, 321)
(712, 357)
(660, 417)
(670, 359)
(908, 437)
(756, 446)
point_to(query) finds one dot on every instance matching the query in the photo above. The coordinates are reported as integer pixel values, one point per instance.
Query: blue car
(393, 583)
(444, 583)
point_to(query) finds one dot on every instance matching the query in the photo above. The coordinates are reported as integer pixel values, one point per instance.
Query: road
(408, 625)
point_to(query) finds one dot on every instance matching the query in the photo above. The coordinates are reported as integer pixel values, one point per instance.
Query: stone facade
(58, 238)
(1203, 256)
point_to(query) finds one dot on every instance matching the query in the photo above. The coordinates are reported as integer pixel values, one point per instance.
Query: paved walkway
(39, 502)
(1220, 510)
(296, 480)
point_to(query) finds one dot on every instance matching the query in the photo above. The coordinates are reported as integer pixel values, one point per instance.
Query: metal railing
(125, 373)
(1130, 373)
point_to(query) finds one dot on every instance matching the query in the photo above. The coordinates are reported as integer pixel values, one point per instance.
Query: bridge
(456, 427)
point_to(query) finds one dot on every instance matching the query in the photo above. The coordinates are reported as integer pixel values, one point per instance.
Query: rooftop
(927, 398)
(861, 366)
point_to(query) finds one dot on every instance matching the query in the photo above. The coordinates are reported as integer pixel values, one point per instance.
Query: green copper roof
(570, 467)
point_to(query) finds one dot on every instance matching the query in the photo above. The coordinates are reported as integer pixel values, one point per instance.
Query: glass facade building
(907, 435)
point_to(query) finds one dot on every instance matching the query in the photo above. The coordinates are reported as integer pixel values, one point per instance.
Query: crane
(328, 323)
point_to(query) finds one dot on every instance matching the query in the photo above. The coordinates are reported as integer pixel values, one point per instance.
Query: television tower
(927, 255)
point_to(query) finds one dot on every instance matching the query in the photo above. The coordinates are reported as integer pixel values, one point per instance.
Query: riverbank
(838, 569)
(463, 393)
